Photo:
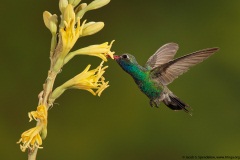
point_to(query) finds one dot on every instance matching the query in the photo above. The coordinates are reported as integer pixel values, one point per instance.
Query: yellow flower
(40, 114)
(90, 80)
(102, 87)
(68, 32)
(101, 50)
(31, 138)
(70, 29)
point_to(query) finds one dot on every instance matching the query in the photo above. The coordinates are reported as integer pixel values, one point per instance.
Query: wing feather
(163, 55)
(168, 72)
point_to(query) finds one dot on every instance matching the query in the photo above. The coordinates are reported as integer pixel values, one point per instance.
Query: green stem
(53, 44)
(48, 86)
(69, 57)
(47, 89)
(56, 93)
(32, 154)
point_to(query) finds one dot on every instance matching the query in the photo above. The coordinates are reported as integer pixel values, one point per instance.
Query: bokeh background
(121, 124)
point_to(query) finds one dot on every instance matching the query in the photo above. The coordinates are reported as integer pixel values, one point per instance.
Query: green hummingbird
(160, 70)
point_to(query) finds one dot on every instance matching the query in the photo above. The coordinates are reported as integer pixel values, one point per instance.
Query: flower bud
(97, 4)
(70, 1)
(46, 18)
(68, 14)
(92, 28)
(50, 21)
(74, 2)
(80, 7)
(62, 5)
(53, 24)
(93, 5)
(81, 10)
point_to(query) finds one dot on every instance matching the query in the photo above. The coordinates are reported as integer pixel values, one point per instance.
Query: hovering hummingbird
(161, 70)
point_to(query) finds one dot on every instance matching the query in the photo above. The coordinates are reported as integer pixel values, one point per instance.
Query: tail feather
(175, 103)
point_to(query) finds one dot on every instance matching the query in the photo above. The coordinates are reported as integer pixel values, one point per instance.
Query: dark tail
(175, 103)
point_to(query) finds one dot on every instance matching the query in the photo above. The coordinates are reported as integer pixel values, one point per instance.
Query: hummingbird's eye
(125, 56)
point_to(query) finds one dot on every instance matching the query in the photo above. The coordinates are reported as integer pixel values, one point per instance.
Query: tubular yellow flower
(89, 80)
(31, 138)
(68, 33)
(101, 50)
(68, 14)
(70, 30)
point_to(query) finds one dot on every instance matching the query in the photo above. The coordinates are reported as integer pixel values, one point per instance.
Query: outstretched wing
(163, 55)
(166, 73)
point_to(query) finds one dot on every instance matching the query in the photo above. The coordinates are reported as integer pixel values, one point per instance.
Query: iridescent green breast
(141, 76)
(149, 87)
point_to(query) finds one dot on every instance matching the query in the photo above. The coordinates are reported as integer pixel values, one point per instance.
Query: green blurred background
(121, 125)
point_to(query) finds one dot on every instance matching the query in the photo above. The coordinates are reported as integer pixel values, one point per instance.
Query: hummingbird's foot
(153, 104)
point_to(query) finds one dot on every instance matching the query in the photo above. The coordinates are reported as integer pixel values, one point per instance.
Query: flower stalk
(63, 39)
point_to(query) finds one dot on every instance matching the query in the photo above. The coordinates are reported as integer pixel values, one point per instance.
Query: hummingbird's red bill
(116, 57)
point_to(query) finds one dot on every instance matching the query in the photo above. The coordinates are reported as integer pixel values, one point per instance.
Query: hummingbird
(160, 70)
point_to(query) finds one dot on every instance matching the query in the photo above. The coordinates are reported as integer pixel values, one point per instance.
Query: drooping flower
(32, 138)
